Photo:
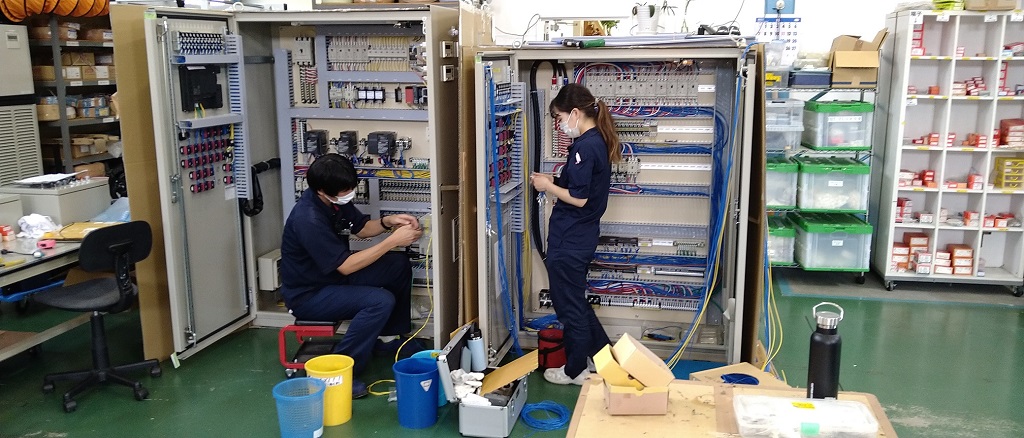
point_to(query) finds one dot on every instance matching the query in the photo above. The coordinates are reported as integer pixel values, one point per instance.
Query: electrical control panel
(662, 256)
(357, 84)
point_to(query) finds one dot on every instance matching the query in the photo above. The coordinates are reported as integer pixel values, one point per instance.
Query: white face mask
(343, 199)
(572, 132)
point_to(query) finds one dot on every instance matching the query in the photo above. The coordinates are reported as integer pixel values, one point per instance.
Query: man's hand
(401, 220)
(542, 181)
(404, 236)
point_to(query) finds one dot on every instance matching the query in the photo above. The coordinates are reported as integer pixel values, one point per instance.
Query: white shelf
(958, 114)
(927, 96)
(915, 226)
(953, 228)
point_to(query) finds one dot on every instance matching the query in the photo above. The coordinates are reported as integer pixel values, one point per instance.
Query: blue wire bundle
(560, 419)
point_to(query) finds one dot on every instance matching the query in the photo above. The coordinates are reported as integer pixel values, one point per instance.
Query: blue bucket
(432, 355)
(300, 407)
(417, 382)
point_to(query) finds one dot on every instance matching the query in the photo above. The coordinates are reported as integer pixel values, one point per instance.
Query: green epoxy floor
(939, 370)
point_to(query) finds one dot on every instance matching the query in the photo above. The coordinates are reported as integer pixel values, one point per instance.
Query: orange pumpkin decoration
(18, 10)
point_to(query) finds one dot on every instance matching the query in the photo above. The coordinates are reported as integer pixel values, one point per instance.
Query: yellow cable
(368, 388)
(426, 264)
(707, 298)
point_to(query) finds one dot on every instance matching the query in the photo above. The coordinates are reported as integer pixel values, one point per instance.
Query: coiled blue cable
(558, 421)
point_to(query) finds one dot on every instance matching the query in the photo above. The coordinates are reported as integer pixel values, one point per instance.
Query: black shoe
(381, 348)
(359, 389)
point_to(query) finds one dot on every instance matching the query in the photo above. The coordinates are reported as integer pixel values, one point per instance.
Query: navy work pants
(375, 300)
(567, 278)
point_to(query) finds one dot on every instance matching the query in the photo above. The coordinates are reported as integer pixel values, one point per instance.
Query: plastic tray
(829, 184)
(779, 417)
(838, 125)
(832, 242)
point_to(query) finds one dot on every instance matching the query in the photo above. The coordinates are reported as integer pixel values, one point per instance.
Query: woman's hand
(542, 181)
(401, 220)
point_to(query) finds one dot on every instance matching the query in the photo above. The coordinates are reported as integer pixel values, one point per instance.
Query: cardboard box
(104, 58)
(641, 363)
(962, 261)
(48, 73)
(48, 113)
(612, 372)
(945, 270)
(43, 33)
(92, 170)
(959, 250)
(901, 259)
(900, 249)
(624, 400)
(98, 35)
(714, 375)
(97, 73)
(78, 58)
(943, 262)
(990, 5)
(854, 62)
(942, 255)
(915, 239)
(963, 270)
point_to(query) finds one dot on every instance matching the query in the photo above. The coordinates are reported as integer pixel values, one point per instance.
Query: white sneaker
(558, 376)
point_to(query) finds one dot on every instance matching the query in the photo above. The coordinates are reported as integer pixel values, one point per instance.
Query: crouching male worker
(324, 280)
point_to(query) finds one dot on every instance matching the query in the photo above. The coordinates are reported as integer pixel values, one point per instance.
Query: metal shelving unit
(998, 252)
(60, 87)
(774, 94)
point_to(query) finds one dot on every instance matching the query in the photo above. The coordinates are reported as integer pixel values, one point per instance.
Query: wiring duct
(723, 150)
(538, 140)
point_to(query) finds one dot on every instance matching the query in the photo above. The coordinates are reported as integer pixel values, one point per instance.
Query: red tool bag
(551, 348)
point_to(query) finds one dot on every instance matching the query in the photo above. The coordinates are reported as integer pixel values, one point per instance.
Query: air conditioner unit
(269, 266)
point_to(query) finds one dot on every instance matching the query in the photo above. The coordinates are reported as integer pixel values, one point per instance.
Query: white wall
(822, 19)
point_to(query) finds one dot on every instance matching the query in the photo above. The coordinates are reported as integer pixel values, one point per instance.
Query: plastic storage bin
(832, 242)
(838, 125)
(784, 113)
(782, 138)
(781, 240)
(833, 185)
(780, 417)
(780, 183)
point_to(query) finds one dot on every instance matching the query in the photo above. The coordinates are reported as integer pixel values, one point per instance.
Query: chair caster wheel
(156, 371)
(289, 372)
(47, 387)
(1018, 291)
(69, 406)
(141, 394)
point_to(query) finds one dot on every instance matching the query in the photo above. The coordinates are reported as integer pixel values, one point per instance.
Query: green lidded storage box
(780, 183)
(781, 240)
(833, 184)
(832, 242)
(838, 125)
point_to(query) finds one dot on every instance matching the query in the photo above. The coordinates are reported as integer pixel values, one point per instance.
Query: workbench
(695, 409)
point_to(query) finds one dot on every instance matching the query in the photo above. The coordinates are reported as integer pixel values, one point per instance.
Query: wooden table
(61, 255)
(694, 409)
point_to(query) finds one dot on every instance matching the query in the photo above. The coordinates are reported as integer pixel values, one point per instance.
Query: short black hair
(332, 173)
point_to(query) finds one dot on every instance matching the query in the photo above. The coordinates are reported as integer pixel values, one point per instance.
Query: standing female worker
(582, 197)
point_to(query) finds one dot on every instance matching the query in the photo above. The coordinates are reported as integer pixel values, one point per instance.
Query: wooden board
(694, 409)
(9, 338)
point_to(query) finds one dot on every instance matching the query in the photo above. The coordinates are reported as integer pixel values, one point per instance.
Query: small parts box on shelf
(781, 240)
(1009, 173)
(833, 184)
(780, 183)
(838, 125)
(832, 242)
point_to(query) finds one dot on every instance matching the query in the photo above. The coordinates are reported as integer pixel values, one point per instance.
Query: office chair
(110, 249)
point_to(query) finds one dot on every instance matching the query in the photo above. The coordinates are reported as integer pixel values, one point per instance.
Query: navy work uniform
(375, 299)
(572, 239)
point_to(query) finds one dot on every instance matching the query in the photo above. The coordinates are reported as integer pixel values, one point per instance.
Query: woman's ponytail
(606, 127)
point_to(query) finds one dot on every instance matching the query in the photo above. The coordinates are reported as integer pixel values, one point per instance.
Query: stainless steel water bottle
(826, 345)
